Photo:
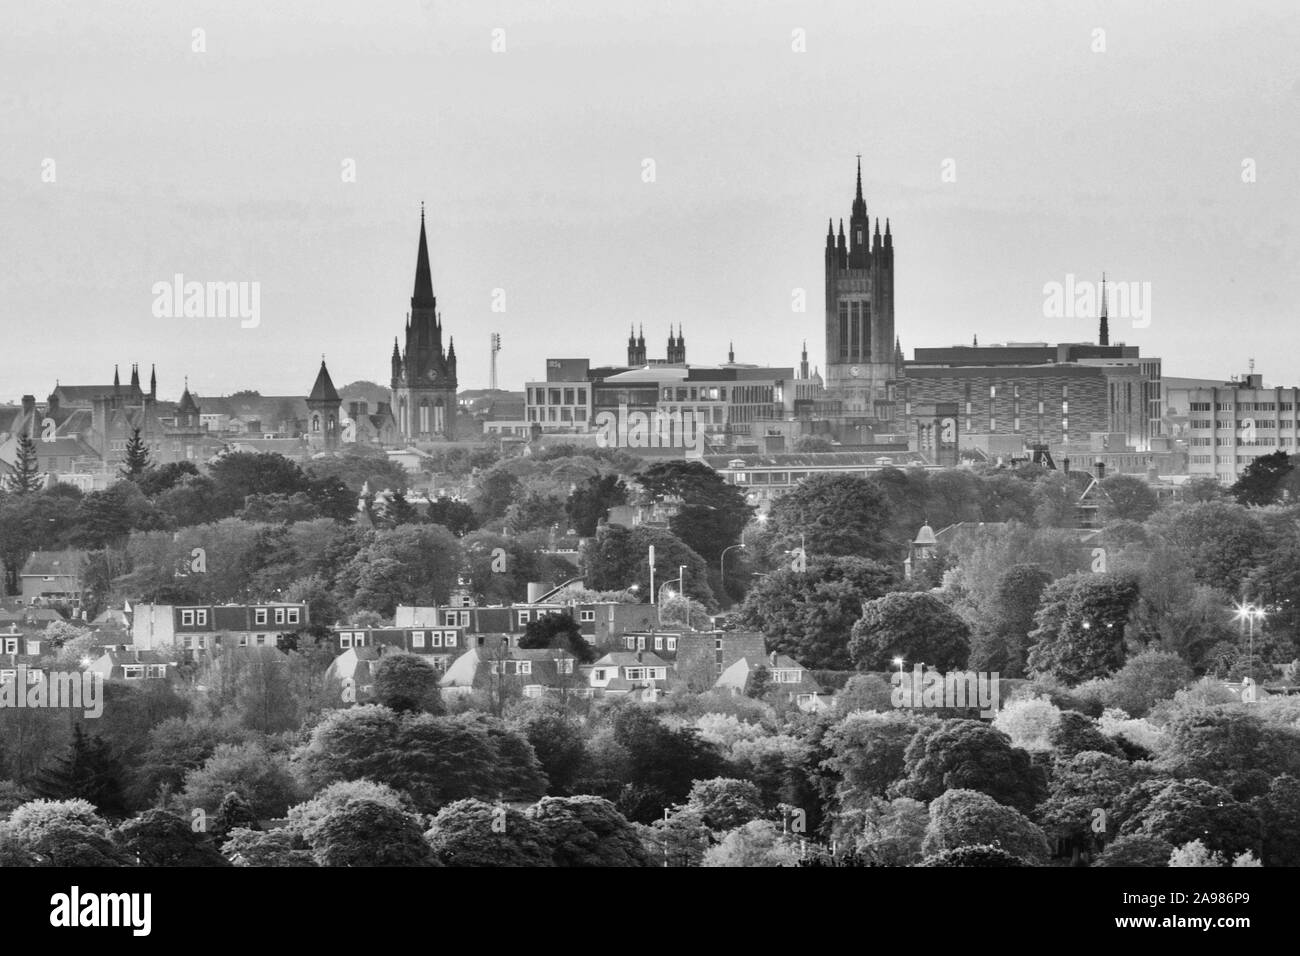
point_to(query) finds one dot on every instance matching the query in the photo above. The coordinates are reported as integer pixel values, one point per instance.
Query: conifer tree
(87, 770)
(136, 460)
(26, 478)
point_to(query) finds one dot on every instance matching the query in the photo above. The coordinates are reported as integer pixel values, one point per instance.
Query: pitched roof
(323, 390)
(50, 563)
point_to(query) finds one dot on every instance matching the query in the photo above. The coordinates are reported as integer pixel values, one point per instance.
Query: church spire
(153, 382)
(1103, 334)
(423, 294)
(859, 204)
(731, 353)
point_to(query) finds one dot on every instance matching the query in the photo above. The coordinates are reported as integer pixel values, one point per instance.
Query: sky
(1011, 145)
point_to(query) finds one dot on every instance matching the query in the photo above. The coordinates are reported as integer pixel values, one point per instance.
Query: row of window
(198, 617)
(565, 414)
(11, 646)
(349, 639)
(138, 671)
(557, 396)
(638, 642)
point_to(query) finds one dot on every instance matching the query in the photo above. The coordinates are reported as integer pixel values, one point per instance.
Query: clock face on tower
(433, 375)
(855, 371)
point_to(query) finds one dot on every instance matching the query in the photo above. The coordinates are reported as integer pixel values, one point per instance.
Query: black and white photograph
(805, 434)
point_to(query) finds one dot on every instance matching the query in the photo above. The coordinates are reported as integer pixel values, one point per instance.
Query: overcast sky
(227, 165)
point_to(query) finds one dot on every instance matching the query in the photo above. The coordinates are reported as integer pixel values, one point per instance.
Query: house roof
(630, 659)
(50, 563)
(323, 390)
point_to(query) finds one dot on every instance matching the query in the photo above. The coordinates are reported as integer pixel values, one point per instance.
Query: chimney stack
(772, 658)
(1100, 469)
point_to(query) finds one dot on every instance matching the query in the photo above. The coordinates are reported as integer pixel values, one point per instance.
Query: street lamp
(898, 662)
(1249, 613)
(722, 561)
(681, 575)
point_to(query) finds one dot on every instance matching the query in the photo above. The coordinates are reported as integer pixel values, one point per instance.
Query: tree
(867, 752)
(1127, 498)
(978, 856)
(1260, 483)
(396, 510)
(1029, 722)
(1180, 811)
(1001, 639)
(135, 461)
(1219, 541)
(474, 833)
(260, 776)
(234, 813)
(456, 516)
(1279, 809)
(26, 476)
(665, 762)
(891, 832)
(834, 516)
(1136, 850)
(494, 491)
(369, 833)
(61, 833)
(1056, 501)
(1235, 748)
(87, 771)
(619, 558)
(811, 444)
(724, 803)
(757, 843)
(970, 755)
(237, 475)
(411, 564)
(969, 818)
(1076, 733)
(587, 831)
(436, 760)
(1081, 626)
(711, 514)
(156, 479)
(559, 631)
(557, 739)
(1145, 678)
(162, 838)
(1195, 854)
(282, 847)
(406, 683)
(1081, 785)
(914, 625)
(810, 614)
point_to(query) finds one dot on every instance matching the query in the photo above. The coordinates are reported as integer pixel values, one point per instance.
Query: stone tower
(424, 375)
(861, 364)
(323, 412)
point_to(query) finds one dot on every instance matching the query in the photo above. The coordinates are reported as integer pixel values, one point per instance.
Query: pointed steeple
(117, 379)
(859, 204)
(323, 390)
(451, 350)
(135, 375)
(423, 294)
(153, 382)
(889, 240)
(830, 234)
(1103, 333)
(731, 353)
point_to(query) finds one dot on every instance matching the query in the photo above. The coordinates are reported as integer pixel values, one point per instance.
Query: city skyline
(577, 240)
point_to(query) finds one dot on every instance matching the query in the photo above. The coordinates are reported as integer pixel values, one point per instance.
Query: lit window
(417, 638)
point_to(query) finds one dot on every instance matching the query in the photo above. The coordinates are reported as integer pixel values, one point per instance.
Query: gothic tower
(424, 375)
(636, 348)
(861, 369)
(323, 412)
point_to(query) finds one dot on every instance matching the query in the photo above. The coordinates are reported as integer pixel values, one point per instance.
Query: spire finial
(859, 194)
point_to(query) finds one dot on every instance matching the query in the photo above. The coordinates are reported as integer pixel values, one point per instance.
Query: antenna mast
(495, 339)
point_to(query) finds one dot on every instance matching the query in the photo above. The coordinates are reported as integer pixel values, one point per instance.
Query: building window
(672, 643)
(345, 639)
(243, 640)
(659, 642)
(634, 673)
(523, 618)
(157, 670)
(11, 645)
(586, 616)
(417, 638)
(132, 671)
(293, 615)
(187, 618)
(597, 674)
(435, 638)
(279, 615)
(259, 616)
(450, 639)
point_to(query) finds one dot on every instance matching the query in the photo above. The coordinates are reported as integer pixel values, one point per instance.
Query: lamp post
(1247, 613)
(681, 574)
(722, 561)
